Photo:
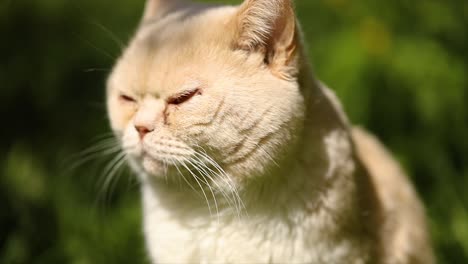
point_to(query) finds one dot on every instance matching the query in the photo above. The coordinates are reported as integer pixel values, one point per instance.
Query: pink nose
(143, 131)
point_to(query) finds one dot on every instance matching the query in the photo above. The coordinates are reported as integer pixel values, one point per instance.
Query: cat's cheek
(173, 116)
(128, 113)
(120, 114)
(168, 115)
(130, 136)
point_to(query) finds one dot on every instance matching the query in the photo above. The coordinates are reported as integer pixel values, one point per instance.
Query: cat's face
(191, 90)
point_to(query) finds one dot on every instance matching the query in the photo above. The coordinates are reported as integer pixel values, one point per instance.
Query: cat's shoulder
(403, 225)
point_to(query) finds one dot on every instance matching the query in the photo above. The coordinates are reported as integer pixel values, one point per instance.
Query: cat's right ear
(269, 27)
(155, 9)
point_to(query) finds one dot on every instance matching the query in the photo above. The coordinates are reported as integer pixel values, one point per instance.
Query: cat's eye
(126, 98)
(183, 97)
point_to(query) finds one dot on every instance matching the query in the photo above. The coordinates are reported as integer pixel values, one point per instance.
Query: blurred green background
(400, 68)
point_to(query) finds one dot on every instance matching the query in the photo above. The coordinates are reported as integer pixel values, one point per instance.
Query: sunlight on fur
(243, 156)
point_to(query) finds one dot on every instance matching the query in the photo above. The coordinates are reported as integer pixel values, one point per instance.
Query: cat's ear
(155, 9)
(268, 26)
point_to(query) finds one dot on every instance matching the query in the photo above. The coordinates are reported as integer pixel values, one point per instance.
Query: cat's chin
(153, 167)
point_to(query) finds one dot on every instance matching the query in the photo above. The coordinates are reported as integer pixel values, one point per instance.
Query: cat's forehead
(187, 28)
(173, 55)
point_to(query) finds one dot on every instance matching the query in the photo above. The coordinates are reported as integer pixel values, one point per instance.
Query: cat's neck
(321, 158)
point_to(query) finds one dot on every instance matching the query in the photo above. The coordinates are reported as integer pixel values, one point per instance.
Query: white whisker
(223, 175)
(111, 34)
(207, 184)
(201, 187)
(109, 172)
(211, 174)
(104, 147)
(114, 176)
(182, 175)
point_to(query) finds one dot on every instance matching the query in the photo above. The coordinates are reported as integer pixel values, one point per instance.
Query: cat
(243, 155)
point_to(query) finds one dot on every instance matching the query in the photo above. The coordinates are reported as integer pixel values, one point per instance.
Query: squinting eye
(127, 98)
(183, 97)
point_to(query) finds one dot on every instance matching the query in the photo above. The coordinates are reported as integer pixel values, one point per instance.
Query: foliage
(399, 67)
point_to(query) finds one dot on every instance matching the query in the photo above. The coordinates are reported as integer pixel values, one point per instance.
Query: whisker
(111, 34)
(82, 159)
(104, 147)
(201, 187)
(268, 155)
(96, 70)
(103, 52)
(107, 135)
(206, 171)
(181, 174)
(209, 187)
(115, 175)
(105, 144)
(239, 204)
(108, 172)
(227, 179)
(106, 178)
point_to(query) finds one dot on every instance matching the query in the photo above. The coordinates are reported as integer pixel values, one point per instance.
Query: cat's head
(213, 88)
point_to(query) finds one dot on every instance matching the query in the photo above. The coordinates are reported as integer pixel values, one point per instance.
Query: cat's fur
(218, 105)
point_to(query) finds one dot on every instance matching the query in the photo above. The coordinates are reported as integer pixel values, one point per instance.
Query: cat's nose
(143, 131)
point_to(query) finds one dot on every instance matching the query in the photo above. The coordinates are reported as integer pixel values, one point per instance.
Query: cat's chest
(224, 241)
(173, 238)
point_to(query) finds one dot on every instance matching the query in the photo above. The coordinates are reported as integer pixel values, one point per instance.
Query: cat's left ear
(155, 9)
(269, 27)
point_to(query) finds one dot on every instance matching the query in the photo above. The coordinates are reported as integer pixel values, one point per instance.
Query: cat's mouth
(172, 158)
(158, 163)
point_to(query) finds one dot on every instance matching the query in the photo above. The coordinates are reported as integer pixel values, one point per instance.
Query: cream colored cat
(243, 156)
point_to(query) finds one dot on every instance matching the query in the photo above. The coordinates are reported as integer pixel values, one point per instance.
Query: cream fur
(282, 178)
